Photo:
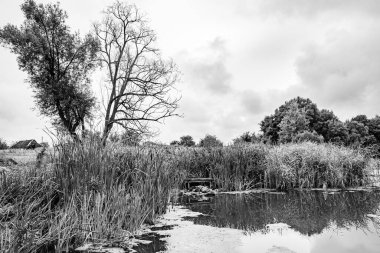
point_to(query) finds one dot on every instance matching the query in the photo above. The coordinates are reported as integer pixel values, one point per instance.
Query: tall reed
(297, 165)
(87, 194)
(90, 193)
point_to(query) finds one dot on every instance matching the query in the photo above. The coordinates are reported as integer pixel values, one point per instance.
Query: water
(309, 221)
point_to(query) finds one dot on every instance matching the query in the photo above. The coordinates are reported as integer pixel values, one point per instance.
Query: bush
(3, 144)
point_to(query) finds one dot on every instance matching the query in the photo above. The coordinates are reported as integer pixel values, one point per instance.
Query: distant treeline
(300, 119)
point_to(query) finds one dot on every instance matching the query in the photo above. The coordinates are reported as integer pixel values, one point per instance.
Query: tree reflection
(308, 212)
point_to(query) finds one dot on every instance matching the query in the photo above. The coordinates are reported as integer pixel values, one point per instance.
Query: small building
(26, 144)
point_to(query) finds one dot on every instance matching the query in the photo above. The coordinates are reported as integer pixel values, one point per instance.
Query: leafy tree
(299, 119)
(337, 133)
(308, 136)
(210, 141)
(270, 126)
(175, 143)
(293, 123)
(140, 82)
(3, 144)
(361, 119)
(322, 126)
(187, 141)
(374, 127)
(358, 133)
(246, 137)
(57, 62)
(311, 110)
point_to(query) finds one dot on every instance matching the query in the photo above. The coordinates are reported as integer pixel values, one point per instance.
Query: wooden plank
(198, 181)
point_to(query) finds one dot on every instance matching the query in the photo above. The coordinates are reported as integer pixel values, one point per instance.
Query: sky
(239, 61)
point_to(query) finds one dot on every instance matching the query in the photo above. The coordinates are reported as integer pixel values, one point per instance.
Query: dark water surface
(307, 221)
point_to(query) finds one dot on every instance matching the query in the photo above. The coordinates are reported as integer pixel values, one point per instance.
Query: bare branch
(141, 82)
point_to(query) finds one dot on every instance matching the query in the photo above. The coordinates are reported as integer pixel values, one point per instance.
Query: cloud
(316, 7)
(344, 70)
(251, 101)
(17, 118)
(206, 69)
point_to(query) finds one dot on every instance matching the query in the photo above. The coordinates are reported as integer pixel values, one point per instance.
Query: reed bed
(297, 165)
(87, 193)
(90, 193)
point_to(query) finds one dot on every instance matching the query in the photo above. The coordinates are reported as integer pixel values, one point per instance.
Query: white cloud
(240, 60)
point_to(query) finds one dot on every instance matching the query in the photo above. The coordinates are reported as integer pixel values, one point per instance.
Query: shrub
(3, 144)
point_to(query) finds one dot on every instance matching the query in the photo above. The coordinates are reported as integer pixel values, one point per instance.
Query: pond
(297, 221)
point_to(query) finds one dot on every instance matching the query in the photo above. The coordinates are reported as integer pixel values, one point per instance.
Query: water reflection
(306, 212)
(295, 222)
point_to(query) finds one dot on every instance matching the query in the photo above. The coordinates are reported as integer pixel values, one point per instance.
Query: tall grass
(90, 193)
(303, 165)
(87, 193)
(312, 165)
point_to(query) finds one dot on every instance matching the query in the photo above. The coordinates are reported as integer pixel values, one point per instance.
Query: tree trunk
(106, 132)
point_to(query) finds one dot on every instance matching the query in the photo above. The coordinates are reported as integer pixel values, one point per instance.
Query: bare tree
(140, 82)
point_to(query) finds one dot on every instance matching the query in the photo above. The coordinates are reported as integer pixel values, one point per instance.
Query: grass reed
(90, 193)
(87, 194)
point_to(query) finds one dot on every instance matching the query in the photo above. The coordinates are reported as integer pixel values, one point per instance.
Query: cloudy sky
(239, 61)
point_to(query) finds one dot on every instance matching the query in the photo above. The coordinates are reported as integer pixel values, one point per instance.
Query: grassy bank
(89, 193)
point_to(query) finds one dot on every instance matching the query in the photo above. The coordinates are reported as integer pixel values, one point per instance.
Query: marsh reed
(87, 193)
(296, 165)
(90, 193)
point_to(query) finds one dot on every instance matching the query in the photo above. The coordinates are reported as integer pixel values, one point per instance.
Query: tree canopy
(3, 144)
(300, 119)
(293, 122)
(57, 62)
(187, 141)
(210, 141)
(245, 138)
